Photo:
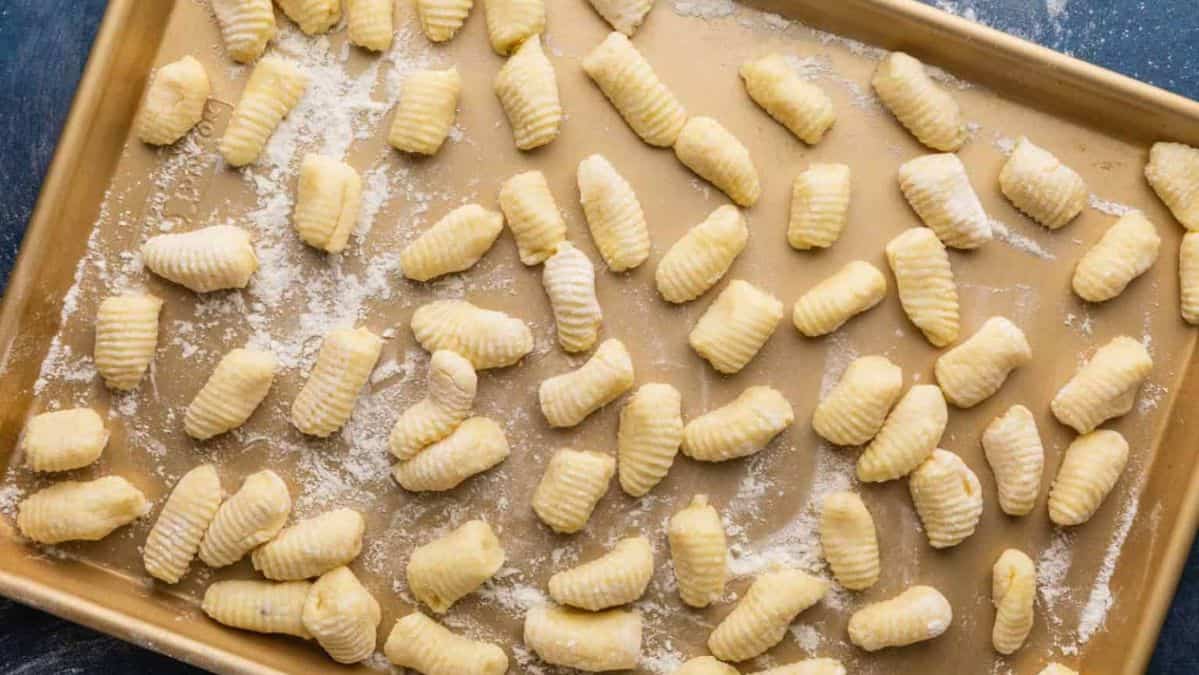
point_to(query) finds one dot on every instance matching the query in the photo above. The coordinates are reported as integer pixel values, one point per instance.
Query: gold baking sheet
(1099, 123)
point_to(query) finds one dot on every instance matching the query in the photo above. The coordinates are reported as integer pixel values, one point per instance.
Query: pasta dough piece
(948, 498)
(929, 112)
(819, 206)
(1173, 173)
(618, 577)
(274, 88)
(63, 440)
(1188, 277)
(528, 91)
(1090, 468)
(80, 511)
(567, 399)
(477, 445)
(800, 106)
(174, 102)
(186, 515)
(342, 368)
(973, 371)
(714, 154)
(422, 644)
(533, 216)
(312, 547)
(328, 196)
(441, 19)
(856, 408)
(1057, 669)
(849, 540)
(625, 16)
(702, 256)
(940, 193)
(1104, 387)
(448, 569)
(452, 386)
(312, 16)
(126, 338)
(613, 213)
(740, 428)
(573, 484)
(260, 606)
(649, 436)
(699, 552)
(252, 516)
(1013, 591)
(213, 258)
(823, 666)
(454, 243)
(343, 616)
(631, 85)
(569, 281)
(246, 27)
(736, 326)
(1126, 251)
(908, 437)
(854, 289)
(762, 616)
(426, 112)
(1038, 184)
(488, 339)
(705, 665)
(925, 283)
(588, 641)
(511, 23)
(1013, 448)
(918, 614)
(370, 23)
(232, 393)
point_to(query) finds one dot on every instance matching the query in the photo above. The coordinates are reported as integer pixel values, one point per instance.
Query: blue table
(43, 47)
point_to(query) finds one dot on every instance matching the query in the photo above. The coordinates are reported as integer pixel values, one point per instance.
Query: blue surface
(43, 47)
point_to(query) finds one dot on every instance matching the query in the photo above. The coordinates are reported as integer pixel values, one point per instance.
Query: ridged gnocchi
(939, 191)
(631, 85)
(735, 327)
(342, 615)
(1038, 184)
(312, 16)
(422, 644)
(740, 428)
(648, 437)
(618, 577)
(929, 112)
(511, 23)
(259, 606)
(948, 498)
(80, 511)
(1126, 251)
(1173, 173)
(849, 540)
(702, 256)
(974, 370)
(343, 366)
(312, 546)
(328, 196)
(63, 439)
(232, 393)
(252, 516)
(613, 213)
(1013, 592)
(567, 399)
(451, 388)
(246, 27)
(487, 338)
(1188, 277)
(1105, 386)
(589, 641)
(528, 91)
(1090, 468)
(925, 283)
(370, 23)
(699, 552)
(825, 307)
(915, 615)
(800, 106)
(175, 538)
(573, 483)
(533, 216)
(715, 154)
(569, 280)
(126, 338)
(908, 437)
(454, 244)
(819, 206)
(1012, 446)
(625, 16)
(762, 616)
(174, 102)
(855, 409)
(477, 445)
(441, 19)
(209, 259)
(274, 88)
(426, 111)
(448, 569)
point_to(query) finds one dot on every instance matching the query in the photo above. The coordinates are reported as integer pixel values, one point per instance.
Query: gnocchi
(488, 339)
(312, 16)
(80, 511)
(925, 283)
(452, 385)
(1013, 592)
(613, 213)
(915, 615)
(342, 368)
(175, 537)
(1012, 446)
(849, 540)
(699, 552)
(909, 435)
(625, 16)
(511, 23)
(478, 444)
(802, 107)
(929, 112)
(589, 641)
(973, 371)
(311, 547)
(174, 102)
(648, 437)
(1173, 173)
(948, 498)
(819, 206)
(454, 243)
(1126, 251)
(259, 606)
(274, 88)
(328, 196)
(939, 191)
(370, 23)
(422, 644)
(567, 399)
(1105, 386)
(736, 326)
(440, 20)
(762, 616)
(573, 483)
(1090, 468)
(715, 154)
(856, 288)
(1188, 277)
(63, 440)
(533, 216)
(1038, 184)
(126, 338)
(740, 428)
(528, 91)
(426, 112)
(448, 569)
(569, 281)
(252, 516)
(342, 615)
(855, 409)
(618, 577)
(631, 85)
(702, 256)
(213, 258)
(232, 393)
(246, 27)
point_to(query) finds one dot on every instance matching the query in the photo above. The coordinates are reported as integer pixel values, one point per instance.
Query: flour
(1019, 241)
(1052, 567)
(1100, 599)
(1109, 207)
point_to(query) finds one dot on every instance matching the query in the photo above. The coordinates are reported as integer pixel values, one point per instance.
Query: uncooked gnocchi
(232, 393)
(702, 256)
(1038, 184)
(126, 338)
(488, 339)
(454, 243)
(1105, 386)
(477, 445)
(246, 27)
(849, 540)
(80, 511)
(909, 435)
(715, 154)
(533, 216)
(929, 112)
(175, 538)
(1173, 172)
(209, 259)
(63, 440)
(328, 195)
(625, 16)
(312, 16)
(631, 85)
(1188, 277)
(699, 552)
(448, 569)
(441, 19)
(1013, 592)
(567, 399)
(948, 498)
(342, 368)
(973, 371)
(740, 428)
(342, 615)
(1090, 468)
(259, 606)
(825, 307)
(613, 213)
(800, 106)
(762, 616)
(312, 546)
(573, 483)
(569, 281)
(426, 111)
(857, 406)
(649, 436)
(618, 577)
(1012, 446)
(511, 23)
(915, 615)
(252, 516)
(451, 387)
(1126, 251)
(369, 23)
(736, 326)
(940, 193)
(819, 206)
(422, 644)
(925, 283)
(528, 91)
(588, 641)
(274, 88)
(174, 102)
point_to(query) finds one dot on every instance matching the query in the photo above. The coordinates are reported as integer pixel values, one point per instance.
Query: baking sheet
(1095, 581)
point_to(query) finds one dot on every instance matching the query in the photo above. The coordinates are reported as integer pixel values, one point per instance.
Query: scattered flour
(1108, 207)
(1019, 241)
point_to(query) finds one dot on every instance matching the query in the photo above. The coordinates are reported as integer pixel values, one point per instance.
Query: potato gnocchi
(369, 23)
(1126, 251)
(925, 283)
(454, 244)
(343, 366)
(477, 445)
(648, 437)
(328, 196)
(312, 547)
(631, 85)
(736, 326)
(915, 615)
(175, 538)
(533, 216)
(715, 154)
(1188, 277)
(440, 20)
(1038, 184)
(699, 552)
(573, 483)
(849, 540)
(252, 516)
(274, 88)
(948, 498)
(1013, 592)
(855, 409)
(445, 570)
(126, 338)
(588, 641)
(740, 428)
(512, 23)
(1013, 448)
(488, 339)
(569, 281)
(63, 440)
(616, 578)
(451, 387)
(625, 16)
(762, 616)
(698, 260)
(80, 511)
(246, 27)
(939, 191)
(259, 606)
(422, 644)
(929, 112)
(613, 213)
(426, 111)
(210, 259)
(528, 91)
(1105, 386)
(973, 371)
(312, 16)
(1173, 173)
(802, 107)
(174, 102)
(569, 398)
(909, 435)
(819, 206)
(343, 616)
(1090, 468)
(824, 308)
(232, 393)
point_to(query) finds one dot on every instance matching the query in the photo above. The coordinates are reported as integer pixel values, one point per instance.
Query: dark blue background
(43, 47)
